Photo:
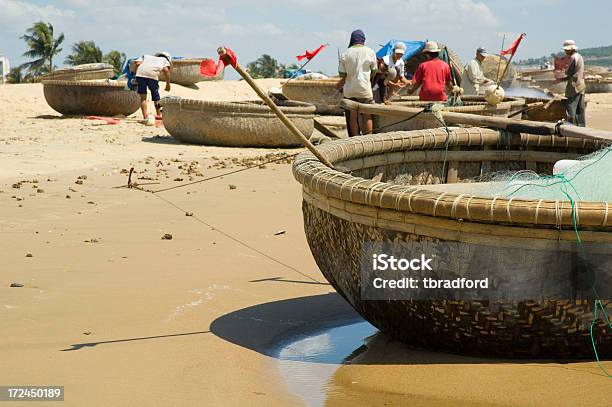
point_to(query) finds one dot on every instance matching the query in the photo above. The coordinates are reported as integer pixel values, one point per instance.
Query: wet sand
(120, 316)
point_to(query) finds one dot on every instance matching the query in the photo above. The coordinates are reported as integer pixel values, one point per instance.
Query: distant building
(4, 68)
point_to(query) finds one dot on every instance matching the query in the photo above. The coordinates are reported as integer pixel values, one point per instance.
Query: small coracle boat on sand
(81, 73)
(323, 93)
(186, 72)
(406, 189)
(235, 124)
(598, 85)
(100, 97)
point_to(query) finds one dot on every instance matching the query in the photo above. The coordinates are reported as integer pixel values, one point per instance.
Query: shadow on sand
(79, 346)
(267, 328)
(161, 140)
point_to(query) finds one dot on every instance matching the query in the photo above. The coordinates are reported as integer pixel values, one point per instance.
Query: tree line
(43, 46)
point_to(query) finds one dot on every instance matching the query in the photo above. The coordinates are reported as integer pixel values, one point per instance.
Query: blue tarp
(412, 48)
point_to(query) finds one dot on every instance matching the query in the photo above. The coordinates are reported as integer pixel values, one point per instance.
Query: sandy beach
(120, 315)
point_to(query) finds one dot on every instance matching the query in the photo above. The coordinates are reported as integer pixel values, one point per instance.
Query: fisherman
(474, 81)
(576, 87)
(148, 69)
(433, 76)
(396, 78)
(357, 67)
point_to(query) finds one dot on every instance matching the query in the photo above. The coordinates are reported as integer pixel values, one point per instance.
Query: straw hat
(399, 48)
(570, 45)
(431, 46)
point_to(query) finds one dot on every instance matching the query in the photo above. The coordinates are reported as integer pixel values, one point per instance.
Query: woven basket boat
(322, 93)
(599, 86)
(385, 123)
(551, 110)
(492, 69)
(235, 124)
(102, 98)
(343, 211)
(186, 72)
(81, 73)
(552, 85)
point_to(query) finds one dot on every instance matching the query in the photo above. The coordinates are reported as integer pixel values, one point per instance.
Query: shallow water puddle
(307, 362)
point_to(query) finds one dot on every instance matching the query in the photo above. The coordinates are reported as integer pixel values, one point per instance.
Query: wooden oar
(245, 75)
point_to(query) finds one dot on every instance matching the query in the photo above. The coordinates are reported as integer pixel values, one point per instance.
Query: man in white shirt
(356, 68)
(474, 82)
(395, 79)
(148, 69)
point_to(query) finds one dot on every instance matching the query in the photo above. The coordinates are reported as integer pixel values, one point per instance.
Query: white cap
(165, 55)
(569, 45)
(399, 48)
(431, 46)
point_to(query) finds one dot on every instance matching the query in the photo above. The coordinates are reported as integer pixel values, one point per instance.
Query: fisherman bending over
(395, 79)
(575, 89)
(148, 69)
(357, 66)
(433, 76)
(474, 82)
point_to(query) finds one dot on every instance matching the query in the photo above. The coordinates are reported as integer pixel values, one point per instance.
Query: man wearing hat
(575, 89)
(148, 69)
(357, 67)
(473, 80)
(396, 78)
(433, 76)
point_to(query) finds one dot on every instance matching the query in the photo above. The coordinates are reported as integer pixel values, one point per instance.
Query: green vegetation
(593, 56)
(15, 75)
(267, 67)
(43, 46)
(84, 52)
(116, 59)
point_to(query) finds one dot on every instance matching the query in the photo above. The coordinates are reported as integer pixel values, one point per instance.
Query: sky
(284, 29)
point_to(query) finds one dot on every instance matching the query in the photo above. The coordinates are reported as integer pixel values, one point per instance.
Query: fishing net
(585, 179)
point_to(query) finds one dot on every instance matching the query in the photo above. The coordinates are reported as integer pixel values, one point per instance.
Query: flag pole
(301, 67)
(510, 60)
(500, 60)
(296, 132)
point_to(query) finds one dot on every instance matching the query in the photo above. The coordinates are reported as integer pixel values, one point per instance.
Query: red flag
(310, 54)
(514, 46)
(210, 69)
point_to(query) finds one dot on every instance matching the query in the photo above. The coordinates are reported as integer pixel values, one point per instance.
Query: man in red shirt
(433, 76)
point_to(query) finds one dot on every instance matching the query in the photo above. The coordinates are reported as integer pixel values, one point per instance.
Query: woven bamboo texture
(186, 72)
(342, 211)
(322, 93)
(550, 111)
(100, 98)
(491, 69)
(81, 73)
(235, 124)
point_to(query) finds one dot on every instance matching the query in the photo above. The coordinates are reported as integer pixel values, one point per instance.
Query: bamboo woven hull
(81, 73)
(383, 124)
(235, 124)
(90, 98)
(552, 112)
(322, 93)
(186, 72)
(342, 212)
(604, 86)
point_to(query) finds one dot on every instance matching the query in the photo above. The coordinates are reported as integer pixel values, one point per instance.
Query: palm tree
(116, 59)
(84, 52)
(43, 46)
(15, 75)
(264, 67)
